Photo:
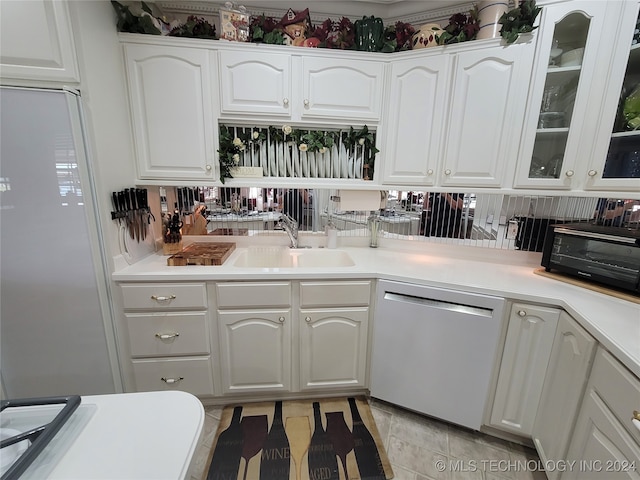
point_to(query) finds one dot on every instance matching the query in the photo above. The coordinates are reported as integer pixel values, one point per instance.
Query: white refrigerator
(56, 333)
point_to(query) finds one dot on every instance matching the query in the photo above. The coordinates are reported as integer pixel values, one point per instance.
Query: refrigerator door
(55, 325)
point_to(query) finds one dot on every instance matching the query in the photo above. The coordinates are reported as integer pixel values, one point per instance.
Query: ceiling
(411, 11)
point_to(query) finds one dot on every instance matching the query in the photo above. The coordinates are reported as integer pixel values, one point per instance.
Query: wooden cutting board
(585, 284)
(214, 253)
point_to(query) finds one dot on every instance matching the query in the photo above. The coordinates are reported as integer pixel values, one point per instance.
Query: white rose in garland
(303, 147)
(287, 129)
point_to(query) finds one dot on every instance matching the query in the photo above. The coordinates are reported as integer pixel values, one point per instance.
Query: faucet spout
(290, 226)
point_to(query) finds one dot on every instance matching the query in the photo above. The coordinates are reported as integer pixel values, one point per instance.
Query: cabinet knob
(167, 336)
(636, 415)
(285, 101)
(430, 171)
(306, 102)
(208, 168)
(170, 381)
(569, 173)
(522, 313)
(307, 319)
(592, 173)
(281, 319)
(447, 172)
(160, 298)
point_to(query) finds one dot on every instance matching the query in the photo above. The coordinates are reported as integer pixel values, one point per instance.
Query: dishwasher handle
(440, 304)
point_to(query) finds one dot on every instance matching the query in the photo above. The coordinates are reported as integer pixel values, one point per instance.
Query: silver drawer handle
(569, 173)
(307, 319)
(167, 336)
(592, 173)
(162, 298)
(170, 381)
(285, 101)
(522, 313)
(281, 319)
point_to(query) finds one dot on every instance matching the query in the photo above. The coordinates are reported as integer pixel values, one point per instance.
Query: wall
(103, 92)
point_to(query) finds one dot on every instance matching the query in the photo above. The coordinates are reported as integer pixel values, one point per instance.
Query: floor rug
(326, 439)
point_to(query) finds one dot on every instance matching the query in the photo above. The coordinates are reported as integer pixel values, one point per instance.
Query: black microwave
(606, 255)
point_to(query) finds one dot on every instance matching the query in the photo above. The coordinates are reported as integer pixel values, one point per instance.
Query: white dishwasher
(434, 350)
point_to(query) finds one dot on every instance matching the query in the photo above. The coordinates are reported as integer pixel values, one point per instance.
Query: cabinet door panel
(255, 83)
(419, 90)
(524, 363)
(335, 88)
(333, 348)
(564, 385)
(255, 350)
(170, 95)
(601, 447)
(486, 114)
(45, 50)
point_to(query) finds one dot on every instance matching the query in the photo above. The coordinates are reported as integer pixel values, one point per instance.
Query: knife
(127, 203)
(142, 210)
(122, 207)
(134, 213)
(116, 208)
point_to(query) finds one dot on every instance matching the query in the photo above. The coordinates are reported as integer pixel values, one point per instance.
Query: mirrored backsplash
(515, 222)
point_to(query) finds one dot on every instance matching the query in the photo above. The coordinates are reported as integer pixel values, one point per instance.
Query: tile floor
(418, 447)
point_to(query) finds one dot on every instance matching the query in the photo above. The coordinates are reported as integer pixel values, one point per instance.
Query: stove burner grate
(39, 436)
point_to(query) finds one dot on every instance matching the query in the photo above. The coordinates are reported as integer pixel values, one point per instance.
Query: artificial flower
(303, 147)
(287, 129)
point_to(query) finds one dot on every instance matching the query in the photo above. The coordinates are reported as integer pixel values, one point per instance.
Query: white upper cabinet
(341, 89)
(415, 119)
(583, 50)
(455, 116)
(298, 87)
(486, 112)
(255, 83)
(172, 113)
(36, 41)
(614, 162)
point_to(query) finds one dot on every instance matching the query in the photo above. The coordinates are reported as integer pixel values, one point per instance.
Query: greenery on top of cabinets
(519, 20)
(462, 27)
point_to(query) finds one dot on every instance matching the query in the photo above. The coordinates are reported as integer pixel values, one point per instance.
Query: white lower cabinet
(255, 350)
(564, 384)
(605, 443)
(168, 331)
(267, 344)
(522, 369)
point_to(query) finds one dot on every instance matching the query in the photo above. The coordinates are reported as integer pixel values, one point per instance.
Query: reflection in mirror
(516, 222)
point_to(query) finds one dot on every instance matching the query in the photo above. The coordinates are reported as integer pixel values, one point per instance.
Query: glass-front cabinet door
(571, 35)
(615, 161)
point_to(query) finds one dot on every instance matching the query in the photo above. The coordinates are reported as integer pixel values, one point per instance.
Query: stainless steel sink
(283, 257)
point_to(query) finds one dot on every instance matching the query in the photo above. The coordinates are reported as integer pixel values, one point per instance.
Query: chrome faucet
(290, 226)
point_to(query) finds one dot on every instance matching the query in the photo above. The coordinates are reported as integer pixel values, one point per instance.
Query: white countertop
(615, 323)
(149, 435)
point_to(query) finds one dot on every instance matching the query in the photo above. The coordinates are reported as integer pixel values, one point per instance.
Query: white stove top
(150, 435)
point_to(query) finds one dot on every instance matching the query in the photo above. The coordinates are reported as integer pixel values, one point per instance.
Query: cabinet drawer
(617, 387)
(168, 334)
(160, 296)
(318, 294)
(191, 375)
(248, 295)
